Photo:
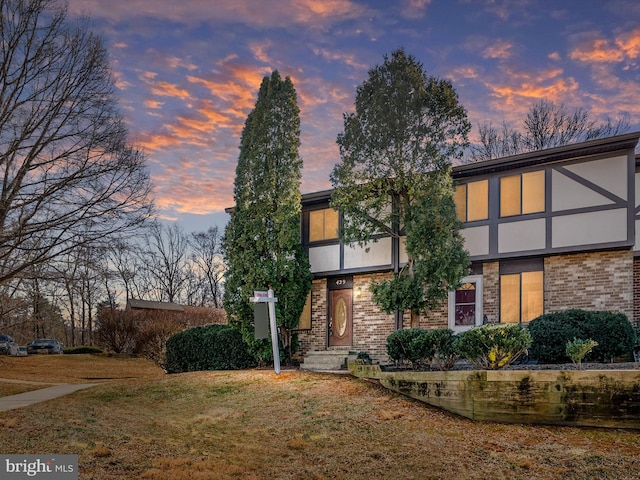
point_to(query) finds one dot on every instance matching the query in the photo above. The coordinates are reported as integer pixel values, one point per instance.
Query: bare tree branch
(68, 177)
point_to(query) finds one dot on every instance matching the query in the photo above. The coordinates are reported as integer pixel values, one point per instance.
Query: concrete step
(323, 361)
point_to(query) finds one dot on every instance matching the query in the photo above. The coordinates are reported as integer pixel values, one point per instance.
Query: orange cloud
(166, 89)
(153, 104)
(554, 56)
(629, 43)
(500, 49)
(175, 62)
(599, 50)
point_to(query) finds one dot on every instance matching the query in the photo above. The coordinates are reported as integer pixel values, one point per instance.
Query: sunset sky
(188, 72)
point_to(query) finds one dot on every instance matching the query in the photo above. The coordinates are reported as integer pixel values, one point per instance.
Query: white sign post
(259, 297)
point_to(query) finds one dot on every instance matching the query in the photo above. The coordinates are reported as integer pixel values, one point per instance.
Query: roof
(592, 147)
(149, 305)
(598, 146)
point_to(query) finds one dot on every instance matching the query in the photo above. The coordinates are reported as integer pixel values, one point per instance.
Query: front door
(340, 319)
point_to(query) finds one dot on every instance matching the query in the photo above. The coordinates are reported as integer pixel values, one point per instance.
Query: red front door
(340, 318)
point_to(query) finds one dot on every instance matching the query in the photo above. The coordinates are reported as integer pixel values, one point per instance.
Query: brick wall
(491, 291)
(371, 326)
(316, 338)
(590, 281)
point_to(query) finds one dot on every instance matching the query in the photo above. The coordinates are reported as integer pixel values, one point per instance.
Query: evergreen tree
(262, 240)
(394, 178)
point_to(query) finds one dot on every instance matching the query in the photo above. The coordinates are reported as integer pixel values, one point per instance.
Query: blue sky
(188, 72)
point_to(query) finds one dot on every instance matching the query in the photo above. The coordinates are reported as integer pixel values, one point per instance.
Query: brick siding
(590, 281)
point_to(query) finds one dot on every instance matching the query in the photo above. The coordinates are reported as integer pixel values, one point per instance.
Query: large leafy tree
(262, 240)
(546, 125)
(394, 178)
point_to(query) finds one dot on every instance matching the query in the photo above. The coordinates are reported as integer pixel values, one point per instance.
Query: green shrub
(445, 354)
(215, 347)
(493, 346)
(406, 346)
(82, 349)
(551, 332)
(577, 349)
(612, 331)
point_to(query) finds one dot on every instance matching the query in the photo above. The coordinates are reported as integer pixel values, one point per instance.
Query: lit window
(521, 296)
(472, 201)
(521, 194)
(323, 224)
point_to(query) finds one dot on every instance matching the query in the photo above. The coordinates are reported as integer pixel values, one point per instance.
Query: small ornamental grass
(493, 346)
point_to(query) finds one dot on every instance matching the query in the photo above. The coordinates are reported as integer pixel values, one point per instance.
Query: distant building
(192, 315)
(135, 304)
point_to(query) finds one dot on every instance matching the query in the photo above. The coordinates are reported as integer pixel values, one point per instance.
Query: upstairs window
(323, 224)
(472, 201)
(522, 194)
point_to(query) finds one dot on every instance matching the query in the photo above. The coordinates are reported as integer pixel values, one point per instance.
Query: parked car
(22, 352)
(45, 345)
(8, 346)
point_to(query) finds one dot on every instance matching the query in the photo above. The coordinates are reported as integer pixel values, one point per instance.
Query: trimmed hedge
(405, 346)
(423, 347)
(551, 332)
(215, 347)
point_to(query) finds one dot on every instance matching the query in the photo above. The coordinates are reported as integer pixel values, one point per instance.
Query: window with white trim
(465, 304)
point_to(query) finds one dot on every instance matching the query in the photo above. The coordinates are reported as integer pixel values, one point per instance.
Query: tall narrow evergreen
(262, 241)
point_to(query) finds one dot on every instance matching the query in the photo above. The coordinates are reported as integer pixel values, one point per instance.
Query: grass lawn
(142, 424)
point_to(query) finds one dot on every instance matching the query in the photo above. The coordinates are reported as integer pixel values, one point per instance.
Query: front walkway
(35, 396)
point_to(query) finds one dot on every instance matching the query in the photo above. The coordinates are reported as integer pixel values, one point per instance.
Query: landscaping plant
(578, 348)
(550, 333)
(445, 353)
(493, 346)
(407, 346)
(215, 347)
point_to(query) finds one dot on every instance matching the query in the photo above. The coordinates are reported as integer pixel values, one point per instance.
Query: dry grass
(296, 425)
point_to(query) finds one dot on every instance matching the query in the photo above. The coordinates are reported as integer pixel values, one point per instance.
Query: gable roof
(133, 303)
(627, 141)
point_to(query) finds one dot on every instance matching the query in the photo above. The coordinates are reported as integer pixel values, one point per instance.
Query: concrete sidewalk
(29, 398)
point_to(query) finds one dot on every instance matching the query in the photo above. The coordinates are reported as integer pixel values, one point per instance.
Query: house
(137, 304)
(546, 231)
(192, 316)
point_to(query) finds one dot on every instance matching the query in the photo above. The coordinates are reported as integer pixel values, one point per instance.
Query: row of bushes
(487, 347)
(610, 335)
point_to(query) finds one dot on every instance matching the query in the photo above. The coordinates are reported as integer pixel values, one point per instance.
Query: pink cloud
(501, 49)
